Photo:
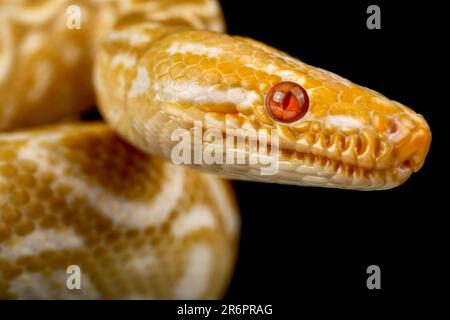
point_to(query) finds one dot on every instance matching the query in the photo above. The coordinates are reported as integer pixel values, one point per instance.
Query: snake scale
(105, 197)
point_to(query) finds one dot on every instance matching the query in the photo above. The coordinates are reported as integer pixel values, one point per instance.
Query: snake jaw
(352, 155)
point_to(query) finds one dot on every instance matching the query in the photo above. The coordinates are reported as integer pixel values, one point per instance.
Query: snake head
(368, 140)
(332, 132)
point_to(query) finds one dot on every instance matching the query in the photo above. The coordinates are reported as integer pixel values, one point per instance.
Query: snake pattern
(105, 197)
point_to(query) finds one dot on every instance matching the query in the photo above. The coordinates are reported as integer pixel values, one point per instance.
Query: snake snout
(412, 139)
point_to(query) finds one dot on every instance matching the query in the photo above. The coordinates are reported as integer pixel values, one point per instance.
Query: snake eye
(287, 102)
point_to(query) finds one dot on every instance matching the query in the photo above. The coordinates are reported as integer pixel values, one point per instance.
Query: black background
(310, 247)
(300, 242)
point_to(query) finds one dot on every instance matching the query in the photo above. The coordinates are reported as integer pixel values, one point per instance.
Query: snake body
(138, 226)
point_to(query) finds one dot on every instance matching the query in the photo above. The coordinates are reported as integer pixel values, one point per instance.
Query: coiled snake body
(136, 225)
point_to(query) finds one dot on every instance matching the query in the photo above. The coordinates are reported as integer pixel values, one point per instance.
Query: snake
(107, 197)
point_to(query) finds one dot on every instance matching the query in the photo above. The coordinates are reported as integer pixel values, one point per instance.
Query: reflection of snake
(137, 226)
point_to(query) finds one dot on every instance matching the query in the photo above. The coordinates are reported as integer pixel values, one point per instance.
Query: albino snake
(136, 225)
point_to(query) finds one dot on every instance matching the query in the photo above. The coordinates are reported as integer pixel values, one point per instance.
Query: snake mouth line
(323, 171)
(279, 162)
(305, 168)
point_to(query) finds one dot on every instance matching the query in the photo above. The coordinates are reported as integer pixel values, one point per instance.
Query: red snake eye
(287, 102)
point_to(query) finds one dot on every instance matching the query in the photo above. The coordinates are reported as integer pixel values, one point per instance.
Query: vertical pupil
(289, 103)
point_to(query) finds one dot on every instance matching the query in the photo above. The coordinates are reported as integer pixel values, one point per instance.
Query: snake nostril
(393, 127)
(287, 102)
(407, 164)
